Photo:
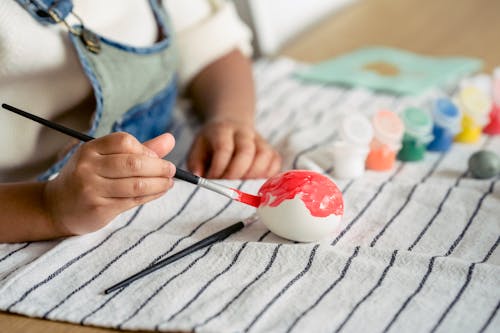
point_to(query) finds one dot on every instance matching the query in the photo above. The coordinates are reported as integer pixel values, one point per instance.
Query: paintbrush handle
(218, 236)
(48, 123)
(179, 173)
(187, 176)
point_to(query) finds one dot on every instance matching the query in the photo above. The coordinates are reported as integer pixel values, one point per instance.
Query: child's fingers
(118, 143)
(244, 154)
(274, 165)
(261, 162)
(133, 165)
(135, 187)
(223, 148)
(162, 144)
(198, 156)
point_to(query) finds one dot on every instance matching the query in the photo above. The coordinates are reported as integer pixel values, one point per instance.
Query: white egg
(301, 205)
(292, 220)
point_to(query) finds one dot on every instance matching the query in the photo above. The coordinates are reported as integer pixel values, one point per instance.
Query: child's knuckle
(86, 152)
(82, 169)
(139, 187)
(133, 163)
(125, 141)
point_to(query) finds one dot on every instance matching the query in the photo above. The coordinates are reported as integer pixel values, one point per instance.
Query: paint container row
(376, 144)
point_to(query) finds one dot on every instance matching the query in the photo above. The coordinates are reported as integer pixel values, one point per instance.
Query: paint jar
(447, 119)
(418, 133)
(475, 107)
(493, 127)
(349, 153)
(388, 131)
(496, 86)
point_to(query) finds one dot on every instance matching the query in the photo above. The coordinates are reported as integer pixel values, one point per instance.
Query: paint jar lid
(482, 82)
(356, 128)
(475, 104)
(496, 73)
(418, 123)
(447, 115)
(496, 86)
(388, 128)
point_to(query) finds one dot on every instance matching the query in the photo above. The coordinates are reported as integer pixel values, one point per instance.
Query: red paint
(320, 195)
(248, 199)
(381, 157)
(493, 127)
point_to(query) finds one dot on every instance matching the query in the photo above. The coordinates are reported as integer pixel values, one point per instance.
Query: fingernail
(172, 169)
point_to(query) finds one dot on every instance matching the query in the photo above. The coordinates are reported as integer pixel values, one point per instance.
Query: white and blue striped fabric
(418, 254)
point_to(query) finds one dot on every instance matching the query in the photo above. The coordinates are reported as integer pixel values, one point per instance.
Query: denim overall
(134, 87)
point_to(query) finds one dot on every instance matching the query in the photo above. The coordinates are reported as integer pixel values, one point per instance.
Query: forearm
(24, 217)
(225, 90)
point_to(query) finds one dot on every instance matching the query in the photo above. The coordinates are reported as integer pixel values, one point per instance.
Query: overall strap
(48, 11)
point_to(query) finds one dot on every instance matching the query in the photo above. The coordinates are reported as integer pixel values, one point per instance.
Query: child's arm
(228, 145)
(104, 178)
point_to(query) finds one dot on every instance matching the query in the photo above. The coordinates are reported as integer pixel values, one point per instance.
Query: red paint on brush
(320, 195)
(248, 199)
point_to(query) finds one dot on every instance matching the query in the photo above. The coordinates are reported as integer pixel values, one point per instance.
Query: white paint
(496, 85)
(348, 159)
(292, 220)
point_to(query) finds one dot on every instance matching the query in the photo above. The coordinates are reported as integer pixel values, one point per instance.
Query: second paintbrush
(187, 176)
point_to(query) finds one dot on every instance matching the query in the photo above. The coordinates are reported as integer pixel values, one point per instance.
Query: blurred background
(278, 21)
(315, 30)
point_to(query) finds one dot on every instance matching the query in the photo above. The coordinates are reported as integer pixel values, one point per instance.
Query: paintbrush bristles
(230, 192)
(249, 199)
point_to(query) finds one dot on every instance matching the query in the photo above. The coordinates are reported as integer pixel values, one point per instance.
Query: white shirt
(40, 72)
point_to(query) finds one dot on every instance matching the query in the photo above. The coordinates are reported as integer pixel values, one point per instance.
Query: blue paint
(446, 125)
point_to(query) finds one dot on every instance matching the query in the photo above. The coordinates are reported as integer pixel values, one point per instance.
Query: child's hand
(231, 149)
(106, 177)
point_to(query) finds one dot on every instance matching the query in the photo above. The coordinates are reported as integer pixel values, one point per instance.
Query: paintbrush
(187, 176)
(218, 236)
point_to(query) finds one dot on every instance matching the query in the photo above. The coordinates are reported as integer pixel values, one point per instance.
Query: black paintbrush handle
(187, 176)
(48, 123)
(218, 236)
(179, 173)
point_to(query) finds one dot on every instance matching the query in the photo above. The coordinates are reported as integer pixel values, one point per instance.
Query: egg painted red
(301, 205)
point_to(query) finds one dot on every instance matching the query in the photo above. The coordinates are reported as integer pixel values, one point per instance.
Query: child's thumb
(162, 144)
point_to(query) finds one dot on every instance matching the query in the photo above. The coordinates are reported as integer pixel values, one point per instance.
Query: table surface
(441, 28)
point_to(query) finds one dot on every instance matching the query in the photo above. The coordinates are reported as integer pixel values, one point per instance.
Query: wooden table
(433, 27)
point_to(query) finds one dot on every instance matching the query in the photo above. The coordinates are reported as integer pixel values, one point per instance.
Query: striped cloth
(419, 253)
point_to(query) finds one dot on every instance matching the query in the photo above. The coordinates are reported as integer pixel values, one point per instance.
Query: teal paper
(411, 73)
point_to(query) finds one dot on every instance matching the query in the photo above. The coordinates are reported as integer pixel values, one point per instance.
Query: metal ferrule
(221, 189)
